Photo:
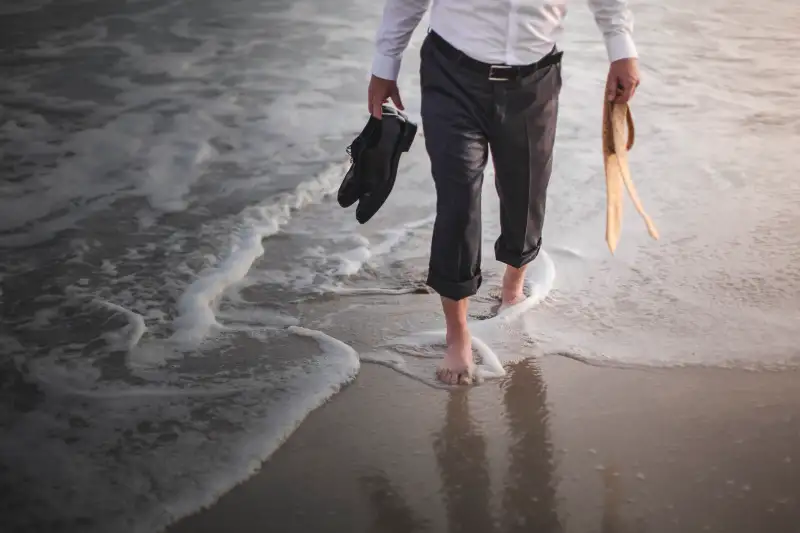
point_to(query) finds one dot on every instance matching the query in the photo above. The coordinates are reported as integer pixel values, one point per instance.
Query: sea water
(166, 208)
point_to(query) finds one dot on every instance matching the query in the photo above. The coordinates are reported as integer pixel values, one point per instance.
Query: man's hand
(381, 90)
(623, 79)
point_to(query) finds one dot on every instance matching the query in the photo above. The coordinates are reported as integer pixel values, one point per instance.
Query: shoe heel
(408, 137)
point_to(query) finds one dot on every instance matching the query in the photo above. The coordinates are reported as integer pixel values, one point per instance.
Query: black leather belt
(492, 72)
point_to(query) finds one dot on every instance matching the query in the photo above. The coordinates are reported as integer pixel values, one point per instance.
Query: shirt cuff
(620, 46)
(385, 67)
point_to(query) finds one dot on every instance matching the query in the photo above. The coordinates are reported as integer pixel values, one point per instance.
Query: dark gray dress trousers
(465, 113)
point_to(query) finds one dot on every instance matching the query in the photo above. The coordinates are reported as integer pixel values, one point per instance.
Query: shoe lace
(353, 146)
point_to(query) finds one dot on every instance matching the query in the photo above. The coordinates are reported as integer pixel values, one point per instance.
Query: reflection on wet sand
(460, 451)
(696, 451)
(613, 521)
(529, 500)
(391, 513)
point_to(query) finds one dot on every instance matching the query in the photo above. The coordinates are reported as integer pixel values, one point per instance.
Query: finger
(633, 89)
(377, 107)
(623, 96)
(627, 92)
(398, 102)
(611, 87)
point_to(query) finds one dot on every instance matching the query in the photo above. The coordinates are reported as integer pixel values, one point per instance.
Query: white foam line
(426, 337)
(353, 291)
(257, 318)
(421, 222)
(250, 329)
(397, 235)
(491, 366)
(401, 367)
(195, 307)
(567, 251)
(329, 345)
(539, 284)
(354, 260)
(398, 364)
(601, 361)
(135, 320)
(60, 387)
(538, 290)
(326, 341)
(326, 380)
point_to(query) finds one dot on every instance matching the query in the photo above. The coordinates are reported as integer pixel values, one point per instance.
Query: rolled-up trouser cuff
(454, 290)
(514, 259)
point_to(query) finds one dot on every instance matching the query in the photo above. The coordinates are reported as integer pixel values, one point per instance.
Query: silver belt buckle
(494, 68)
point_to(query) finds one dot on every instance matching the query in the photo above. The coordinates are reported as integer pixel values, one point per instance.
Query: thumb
(611, 87)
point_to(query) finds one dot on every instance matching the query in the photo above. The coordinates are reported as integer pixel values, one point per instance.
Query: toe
(448, 376)
(453, 377)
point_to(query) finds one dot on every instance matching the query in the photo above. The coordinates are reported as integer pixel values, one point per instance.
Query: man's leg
(453, 104)
(521, 138)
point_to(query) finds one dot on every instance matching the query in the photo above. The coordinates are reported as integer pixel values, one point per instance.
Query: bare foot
(457, 367)
(513, 283)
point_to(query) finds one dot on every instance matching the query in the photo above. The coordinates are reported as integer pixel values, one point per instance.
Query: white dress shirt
(510, 32)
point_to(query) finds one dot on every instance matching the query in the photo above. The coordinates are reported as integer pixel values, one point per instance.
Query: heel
(408, 137)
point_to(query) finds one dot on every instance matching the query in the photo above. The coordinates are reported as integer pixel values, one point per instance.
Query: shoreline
(554, 446)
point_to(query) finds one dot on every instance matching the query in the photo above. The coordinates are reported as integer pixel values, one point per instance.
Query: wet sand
(556, 446)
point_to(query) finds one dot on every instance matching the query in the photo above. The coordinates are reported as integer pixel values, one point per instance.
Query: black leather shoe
(351, 189)
(375, 154)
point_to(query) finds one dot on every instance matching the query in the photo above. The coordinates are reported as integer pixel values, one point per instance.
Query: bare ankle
(455, 313)
(513, 281)
(515, 273)
(458, 335)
